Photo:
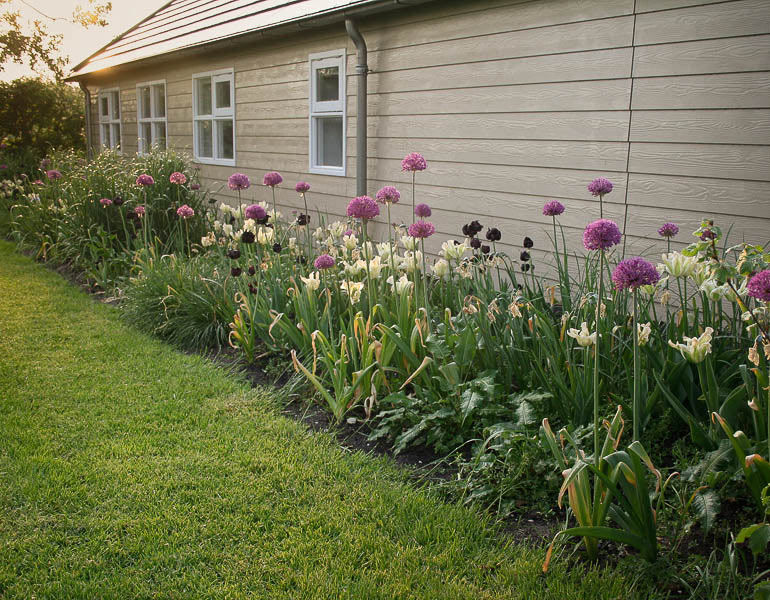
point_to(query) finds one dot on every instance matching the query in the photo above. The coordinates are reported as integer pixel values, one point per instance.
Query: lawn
(131, 470)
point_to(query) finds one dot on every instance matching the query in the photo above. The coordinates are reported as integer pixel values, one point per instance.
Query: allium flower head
(272, 179)
(256, 212)
(668, 230)
(185, 211)
(145, 179)
(363, 207)
(195, 186)
(178, 178)
(139, 210)
(302, 187)
(422, 229)
(759, 286)
(414, 162)
(106, 201)
(324, 261)
(601, 235)
(238, 181)
(554, 208)
(600, 186)
(53, 174)
(422, 210)
(388, 194)
(633, 273)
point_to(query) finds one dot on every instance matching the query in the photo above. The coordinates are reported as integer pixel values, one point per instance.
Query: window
(109, 118)
(151, 115)
(327, 113)
(214, 117)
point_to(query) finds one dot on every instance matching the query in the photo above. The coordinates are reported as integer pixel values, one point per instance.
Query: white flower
(452, 251)
(714, 291)
(265, 235)
(409, 242)
(583, 337)
(350, 241)
(383, 249)
(402, 284)
(292, 243)
(441, 268)
(353, 290)
(225, 208)
(217, 226)
(643, 331)
(679, 265)
(337, 228)
(208, 240)
(274, 216)
(412, 261)
(250, 225)
(354, 269)
(319, 234)
(695, 349)
(227, 229)
(375, 267)
(312, 281)
(700, 274)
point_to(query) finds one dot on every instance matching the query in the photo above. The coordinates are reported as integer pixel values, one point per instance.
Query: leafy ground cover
(129, 470)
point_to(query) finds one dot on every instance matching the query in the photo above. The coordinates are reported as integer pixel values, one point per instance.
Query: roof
(182, 24)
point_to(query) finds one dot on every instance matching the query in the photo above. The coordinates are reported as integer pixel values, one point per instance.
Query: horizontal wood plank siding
(514, 103)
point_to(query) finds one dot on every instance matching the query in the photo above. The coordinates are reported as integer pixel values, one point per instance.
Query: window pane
(144, 103)
(115, 105)
(205, 141)
(329, 141)
(225, 138)
(203, 96)
(223, 94)
(159, 95)
(106, 136)
(115, 135)
(104, 106)
(327, 84)
(146, 134)
(159, 135)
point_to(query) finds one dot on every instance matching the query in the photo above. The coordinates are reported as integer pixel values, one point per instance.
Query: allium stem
(307, 229)
(414, 215)
(597, 357)
(392, 258)
(425, 282)
(637, 369)
(369, 294)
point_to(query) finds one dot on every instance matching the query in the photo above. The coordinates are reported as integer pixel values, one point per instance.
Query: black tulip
(524, 256)
(486, 249)
(253, 289)
(467, 229)
(303, 220)
(525, 267)
(528, 243)
(277, 248)
(236, 271)
(493, 234)
(252, 270)
(475, 243)
(234, 253)
(476, 227)
(247, 237)
(117, 201)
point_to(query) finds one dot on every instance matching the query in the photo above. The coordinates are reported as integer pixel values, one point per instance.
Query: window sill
(222, 162)
(335, 171)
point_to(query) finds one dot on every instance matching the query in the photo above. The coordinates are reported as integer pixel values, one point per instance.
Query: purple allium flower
(633, 273)
(302, 187)
(414, 162)
(601, 234)
(53, 174)
(255, 211)
(554, 208)
(185, 211)
(348, 232)
(238, 181)
(324, 262)
(759, 286)
(145, 179)
(272, 179)
(388, 194)
(600, 186)
(106, 202)
(195, 186)
(139, 210)
(422, 210)
(422, 229)
(668, 230)
(708, 235)
(3, 167)
(363, 207)
(178, 178)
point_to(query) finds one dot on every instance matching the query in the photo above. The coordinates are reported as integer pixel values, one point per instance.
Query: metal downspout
(362, 71)
(89, 151)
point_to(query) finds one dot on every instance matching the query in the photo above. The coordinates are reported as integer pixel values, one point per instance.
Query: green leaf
(706, 506)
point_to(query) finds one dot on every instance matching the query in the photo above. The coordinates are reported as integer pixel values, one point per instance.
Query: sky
(78, 43)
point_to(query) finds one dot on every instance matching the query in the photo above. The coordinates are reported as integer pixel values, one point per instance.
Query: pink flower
(106, 202)
(324, 261)
(195, 186)
(178, 178)
(363, 207)
(422, 229)
(139, 210)
(255, 211)
(185, 211)
(388, 194)
(553, 208)
(272, 179)
(53, 174)
(302, 187)
(600, 186)
(422, 210)
(634, 272)
(145, 179)
(238, 181)
(601, 234)
(414, 162)
(759, 286)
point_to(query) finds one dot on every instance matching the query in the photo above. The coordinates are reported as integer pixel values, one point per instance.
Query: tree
(33, 43)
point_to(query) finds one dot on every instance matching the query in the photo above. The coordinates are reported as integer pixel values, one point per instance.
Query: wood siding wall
(516, 103)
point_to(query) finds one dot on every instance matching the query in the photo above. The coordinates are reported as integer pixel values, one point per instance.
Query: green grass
(130, 470)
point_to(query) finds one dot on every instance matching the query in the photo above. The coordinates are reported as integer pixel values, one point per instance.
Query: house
(512, 103)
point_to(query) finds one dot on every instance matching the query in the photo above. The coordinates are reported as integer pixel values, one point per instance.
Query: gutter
(362, 72)
(87, 92)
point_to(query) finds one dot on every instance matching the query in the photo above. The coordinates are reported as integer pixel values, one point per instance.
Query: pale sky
(79, 43)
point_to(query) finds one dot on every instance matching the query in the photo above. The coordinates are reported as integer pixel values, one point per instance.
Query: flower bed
(598, 376)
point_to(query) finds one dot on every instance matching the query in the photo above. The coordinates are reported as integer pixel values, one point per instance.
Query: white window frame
(335, 108)
(142, 149)
(109, 120)
(216, 115)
